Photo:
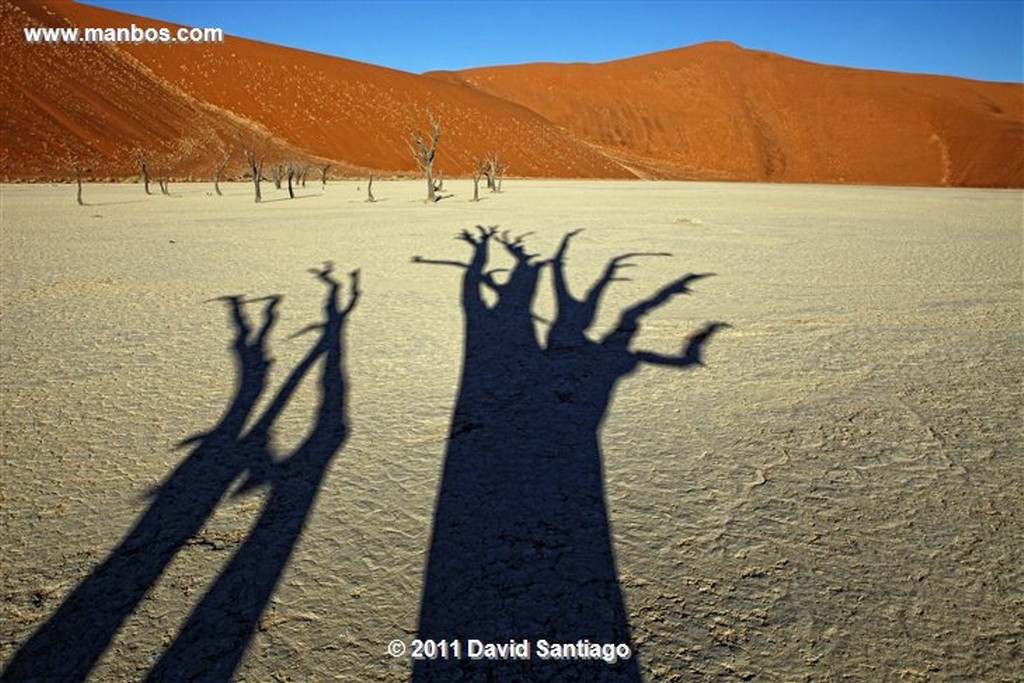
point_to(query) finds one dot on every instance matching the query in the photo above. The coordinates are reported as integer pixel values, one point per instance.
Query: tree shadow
(521, 545)
(216, 635)
(127, 201)
(290, 199)
(211, 644)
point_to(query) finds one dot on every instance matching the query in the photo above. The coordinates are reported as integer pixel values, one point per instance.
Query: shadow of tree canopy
(521, 545)
(213, 640)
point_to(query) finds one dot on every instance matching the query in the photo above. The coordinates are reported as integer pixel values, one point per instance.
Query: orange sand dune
(308, 105)
(713, 111)
(96, 105)
(718, 111)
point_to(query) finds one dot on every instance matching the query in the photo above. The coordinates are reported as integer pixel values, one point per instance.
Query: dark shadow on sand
(290, 199)
(521, 546)
(125, 202)
(211, 644)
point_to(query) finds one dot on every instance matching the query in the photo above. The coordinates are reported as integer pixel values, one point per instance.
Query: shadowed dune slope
(712, 111)
(310, 105)
(96, 104)
(718, 111)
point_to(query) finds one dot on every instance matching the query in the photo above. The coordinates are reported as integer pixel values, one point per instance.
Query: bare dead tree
(501, 174)
(255, 162)
(219, 170)
(476, 180)
(278, 174)
(303, 174)
(369, 190)
(78, 181)
(140, 159)
(76, 163)
(426, 152)
(323, 176)
(292, 174)
(163, 163)
(494, 170)
(490, 161)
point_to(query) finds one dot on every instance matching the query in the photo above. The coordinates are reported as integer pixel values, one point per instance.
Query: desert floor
(836, 495)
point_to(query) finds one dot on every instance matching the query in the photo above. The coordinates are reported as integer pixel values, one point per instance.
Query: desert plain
(836, 494)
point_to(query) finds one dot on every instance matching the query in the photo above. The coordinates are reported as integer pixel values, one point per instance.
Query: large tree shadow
(211, 644)
(521, 545)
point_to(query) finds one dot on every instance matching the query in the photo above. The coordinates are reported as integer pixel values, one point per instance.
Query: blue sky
(980, 40)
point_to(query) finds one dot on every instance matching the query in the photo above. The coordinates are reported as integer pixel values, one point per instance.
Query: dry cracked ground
(835, 494)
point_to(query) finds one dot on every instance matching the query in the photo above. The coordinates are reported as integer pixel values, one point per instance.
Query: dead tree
(278, 174)
(164, 184)
(323, 176)
(501, 174)
(78, 181)
(292, 173)
(255, 162)
(140, 159)
(425, 152)
(369, 190)
(218, 171)
(303, 174)
(476, 180)
(491, 170)
(494, 170)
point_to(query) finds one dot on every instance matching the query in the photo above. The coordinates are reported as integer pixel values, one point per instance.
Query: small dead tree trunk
(303, 174)
(369, 190)
(140, 158)
(494, 170)
(323, 176)
(252, 158)
(426, 152)
(278, 173)
(476, 180)
(78, 181)
(291, 175)
(164, 184)
(501, 174)
(491, 170)
(217, 172)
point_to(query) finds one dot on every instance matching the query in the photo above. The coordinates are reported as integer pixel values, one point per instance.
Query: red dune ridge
(713, 111)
